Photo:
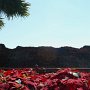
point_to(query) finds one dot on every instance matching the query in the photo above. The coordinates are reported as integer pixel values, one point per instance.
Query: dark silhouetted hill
(45, 57)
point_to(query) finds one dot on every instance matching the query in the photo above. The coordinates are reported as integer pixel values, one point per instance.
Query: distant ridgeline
(45, 57)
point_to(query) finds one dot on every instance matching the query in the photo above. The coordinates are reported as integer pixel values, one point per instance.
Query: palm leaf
(14, 8)
(1, 23)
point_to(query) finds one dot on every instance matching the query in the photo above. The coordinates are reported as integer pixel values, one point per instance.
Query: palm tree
(13, 8)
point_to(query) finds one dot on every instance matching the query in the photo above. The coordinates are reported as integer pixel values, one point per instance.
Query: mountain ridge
(45, 56)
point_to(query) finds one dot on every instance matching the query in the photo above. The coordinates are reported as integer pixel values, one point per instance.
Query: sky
(55, 23)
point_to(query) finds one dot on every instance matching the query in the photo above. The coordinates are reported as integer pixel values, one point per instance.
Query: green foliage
(1, 23)
(13, 8)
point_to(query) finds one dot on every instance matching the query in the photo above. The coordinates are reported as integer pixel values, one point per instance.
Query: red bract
(25, 88)
(8, 72)
(73, 84)
(4, 85)
(28, 79)
(30, 84)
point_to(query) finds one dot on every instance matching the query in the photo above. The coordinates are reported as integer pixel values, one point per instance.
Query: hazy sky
(51, 23)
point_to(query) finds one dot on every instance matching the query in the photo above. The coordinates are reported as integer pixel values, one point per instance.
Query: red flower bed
(28, 79)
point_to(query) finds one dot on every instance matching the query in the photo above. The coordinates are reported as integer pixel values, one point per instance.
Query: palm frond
(13, 8)
(1, 23)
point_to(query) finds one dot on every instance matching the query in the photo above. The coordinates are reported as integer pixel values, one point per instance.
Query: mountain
(45, 57)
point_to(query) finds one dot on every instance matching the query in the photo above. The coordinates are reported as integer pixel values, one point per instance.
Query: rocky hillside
(45, 57)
